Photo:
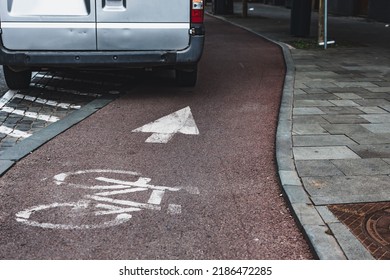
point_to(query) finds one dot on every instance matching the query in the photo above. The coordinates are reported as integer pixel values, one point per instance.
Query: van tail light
(197, 11)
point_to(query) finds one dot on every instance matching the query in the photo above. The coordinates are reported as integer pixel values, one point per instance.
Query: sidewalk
(333, 141)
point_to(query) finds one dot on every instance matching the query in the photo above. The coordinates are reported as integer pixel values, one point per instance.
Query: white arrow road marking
(165, 128)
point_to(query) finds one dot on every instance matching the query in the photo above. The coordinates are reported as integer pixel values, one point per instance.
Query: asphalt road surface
(163, 172)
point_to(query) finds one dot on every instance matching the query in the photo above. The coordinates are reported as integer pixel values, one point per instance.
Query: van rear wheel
(17, 79)
(187, 77)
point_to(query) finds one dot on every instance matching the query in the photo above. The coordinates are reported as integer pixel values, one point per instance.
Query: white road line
(14, 132)
(141, 182)
(31, 115)
(111, 209)
(156, 197)
(132, 190)
(124, 202)
(7, 97)
(47, 102)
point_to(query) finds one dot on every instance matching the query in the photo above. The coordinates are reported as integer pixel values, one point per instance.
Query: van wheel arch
(17, 79)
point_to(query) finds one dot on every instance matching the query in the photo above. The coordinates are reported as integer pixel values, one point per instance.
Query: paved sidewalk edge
(320, 237)
(13, 154)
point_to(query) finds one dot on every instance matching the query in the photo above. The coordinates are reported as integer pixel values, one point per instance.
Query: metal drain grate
(370, 223)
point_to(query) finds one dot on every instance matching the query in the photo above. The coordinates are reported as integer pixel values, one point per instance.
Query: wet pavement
(333, 143)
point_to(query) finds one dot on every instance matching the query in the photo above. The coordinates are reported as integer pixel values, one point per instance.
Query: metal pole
(321, 22)
(326, 25)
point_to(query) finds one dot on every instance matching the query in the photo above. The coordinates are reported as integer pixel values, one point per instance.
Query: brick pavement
(50, 98)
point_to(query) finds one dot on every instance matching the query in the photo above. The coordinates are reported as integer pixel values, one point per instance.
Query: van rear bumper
(31, 59)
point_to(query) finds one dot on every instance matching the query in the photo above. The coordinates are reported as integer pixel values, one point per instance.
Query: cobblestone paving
(50, 98)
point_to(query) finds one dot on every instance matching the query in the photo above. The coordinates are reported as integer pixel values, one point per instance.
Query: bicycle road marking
(23, 217)
(100, 204)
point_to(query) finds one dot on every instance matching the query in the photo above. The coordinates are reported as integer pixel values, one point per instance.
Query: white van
(49, 34)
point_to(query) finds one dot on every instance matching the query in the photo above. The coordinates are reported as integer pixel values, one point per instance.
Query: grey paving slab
(300, 92)
(348, 95)
(344, 128)
(357, 90)
(345, 119)
(312, 103)
(377, 118)
(309, 120)
(372, 110)
(315, 91)
(383, 84)
(307, 214)
(20, 150)
(289, 178)
(319, 84)
(385, 107)
(305, 129)
(378, 128)
(310, 168)
(347, 189)
(340, 110)
(331, 152)
(5, 165)
(374, 96)
(308, 111)
(321, 140)
(322, 74)
(344, 103)
(372, 151)
(327, 215)
(369, 138)
(296, 194)
(376, 88)
(363, 167)
(326, 246)
(319, 97)
(380, 102)
(300, 85)
(356, 84)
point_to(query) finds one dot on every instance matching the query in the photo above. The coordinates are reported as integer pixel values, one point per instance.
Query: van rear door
(143, 25)
(48, 24)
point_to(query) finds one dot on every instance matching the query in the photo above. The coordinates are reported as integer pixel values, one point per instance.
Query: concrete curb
(319, 235)
(13, 154)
